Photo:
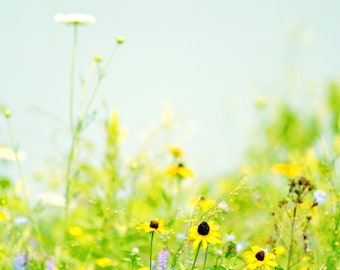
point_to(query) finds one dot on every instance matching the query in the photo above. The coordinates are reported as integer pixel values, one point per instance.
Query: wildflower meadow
(280, 209)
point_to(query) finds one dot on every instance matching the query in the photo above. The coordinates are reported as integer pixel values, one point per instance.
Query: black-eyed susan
(179, 170)
(155, 225)
(258, 257)
(203, 234)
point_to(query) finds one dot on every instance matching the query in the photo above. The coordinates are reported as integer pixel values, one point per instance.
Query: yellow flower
(290, 170)
(202, 202)
(206, 233)
(1, 254)
(74, 18)
(280, 250)
(144, 268)
(154, 225)
(7, 113)
(76, 231)
(176, 151)
(179, 170)
(97, 58)
(120, 40)
(259, 258)
(2, 216)
(104, 262)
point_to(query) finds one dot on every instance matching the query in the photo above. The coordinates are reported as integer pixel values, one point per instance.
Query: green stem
(151, 242)
(21, 174)
(23, 181)
(99, 80)
(196, 256)
(290, 250)
(216, 263)
(73, 132)
(84, 87)
(68, 180)
(205, 257)
(73, 61)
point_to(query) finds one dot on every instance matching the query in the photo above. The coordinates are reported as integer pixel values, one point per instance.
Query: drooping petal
(205, 243)
(196, 243)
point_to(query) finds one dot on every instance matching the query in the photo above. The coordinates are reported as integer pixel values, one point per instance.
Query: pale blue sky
(208, 60)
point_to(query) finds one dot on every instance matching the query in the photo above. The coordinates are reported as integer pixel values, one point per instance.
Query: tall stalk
(151, 242)
(76, 129)
(73, 131)
(196, 256)
(290, 249)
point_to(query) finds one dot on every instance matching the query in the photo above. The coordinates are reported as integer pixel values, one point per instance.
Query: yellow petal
(2, 216)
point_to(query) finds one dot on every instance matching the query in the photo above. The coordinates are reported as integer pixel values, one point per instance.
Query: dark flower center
(154, 224)
(260, 255)
(203, 228)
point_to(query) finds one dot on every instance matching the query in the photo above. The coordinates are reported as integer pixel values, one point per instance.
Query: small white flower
(231, 237)
(320, 196)
(224, 206)
(9, 155)
(75, 18)
(20, 220)
(135, 250)
(53, 199)
(219, 252)
(241, 245)
(180, 236)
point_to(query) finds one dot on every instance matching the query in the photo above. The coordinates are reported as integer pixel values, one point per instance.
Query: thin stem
(21, 174)
(68, 180)
(290, 251)
(23, 181)
(196, 256)
(73, 61)
(74, 135)
(99, 80)
(151, 242)
(205, 256)
(84, 86)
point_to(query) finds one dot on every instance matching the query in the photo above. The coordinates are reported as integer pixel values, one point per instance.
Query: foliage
(286, 218)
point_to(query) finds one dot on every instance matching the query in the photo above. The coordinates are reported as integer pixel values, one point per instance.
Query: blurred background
(204, 66)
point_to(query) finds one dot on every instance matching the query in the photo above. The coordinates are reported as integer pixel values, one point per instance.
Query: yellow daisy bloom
(76, 231)
(176, 151)
(202, 202)
(2, 216)
(104, 262)
(290, 170)
(154, 225)
(280, 250)
(206, 233)
(180, 171)
(257, 257)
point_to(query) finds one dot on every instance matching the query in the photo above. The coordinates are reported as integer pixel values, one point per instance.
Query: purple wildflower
(21, 261)
(162, 259)
(49, 264)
